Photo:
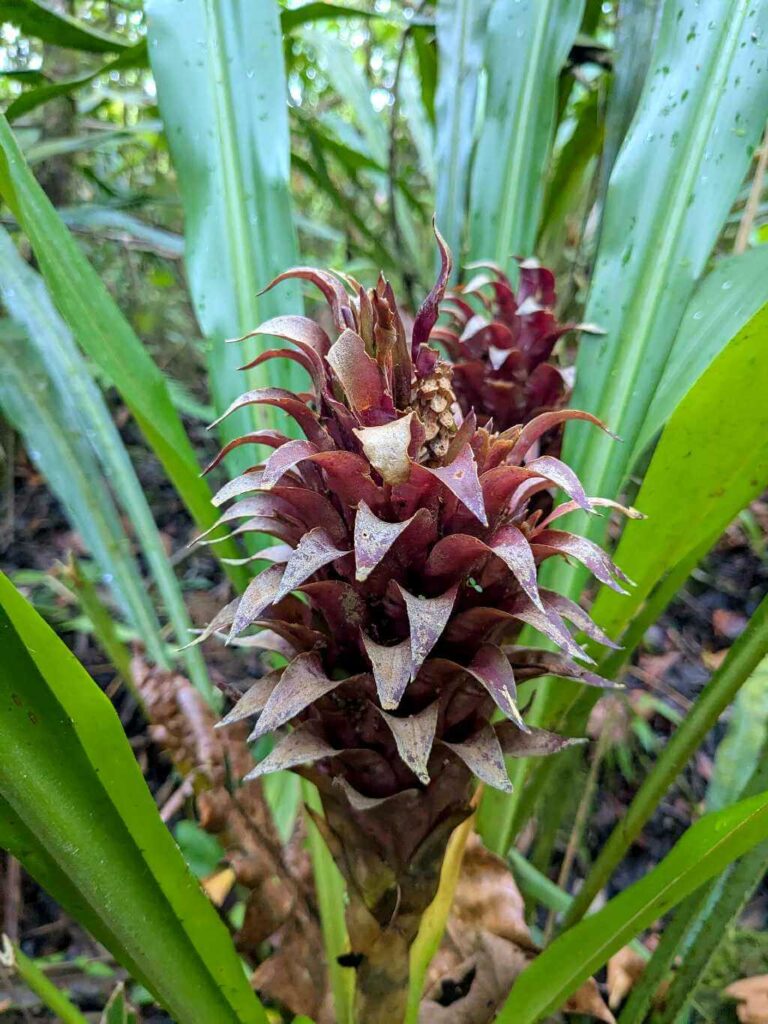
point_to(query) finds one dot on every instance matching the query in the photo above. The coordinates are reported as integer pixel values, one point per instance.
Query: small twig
(12, 898)
(750, 210)
(580, 821)
(175, 801)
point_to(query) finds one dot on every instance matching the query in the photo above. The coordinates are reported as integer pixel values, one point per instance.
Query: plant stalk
(12, 958)
(742, 659)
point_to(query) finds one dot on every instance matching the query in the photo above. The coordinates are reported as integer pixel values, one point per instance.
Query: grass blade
(226, 120)
(36, 18)
(722, 305)
(104, 334)
(712, 927)
(741, 661)
(28, 302)
(12, 959)
(52, 432)
(103, 624)
(461, 31)
(702, 921)
(331, 898)
(704, 851)
(677, 173)
(746, 734)
(527, 44)
(128, 882)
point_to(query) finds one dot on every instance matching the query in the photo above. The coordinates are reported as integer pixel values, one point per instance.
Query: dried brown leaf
(588, 1001)
(752, 998)
(624, 970)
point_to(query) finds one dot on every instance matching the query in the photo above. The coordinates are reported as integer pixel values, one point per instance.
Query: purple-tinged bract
(406, 550)
(500, 341)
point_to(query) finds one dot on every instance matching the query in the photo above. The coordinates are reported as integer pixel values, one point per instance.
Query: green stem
(743, 658)
(329, 886)
(103, 624)
(63, 1010)
(536, 885)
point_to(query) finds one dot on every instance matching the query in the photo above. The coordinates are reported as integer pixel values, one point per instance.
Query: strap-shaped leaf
(509, 168)
(226, 119)
(102, 331)
(705, 849)
(128, 883)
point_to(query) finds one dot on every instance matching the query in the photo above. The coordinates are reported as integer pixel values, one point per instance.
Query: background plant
(621, 145)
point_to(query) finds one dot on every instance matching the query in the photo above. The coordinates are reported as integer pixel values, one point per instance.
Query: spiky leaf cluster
(404, 565)
(500, 341)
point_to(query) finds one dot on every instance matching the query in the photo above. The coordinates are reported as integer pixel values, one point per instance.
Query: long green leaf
(712, 929)
(226, 119)
(701, 923)
(739, 750)
(44, 415)
(461, 31)
(76, 811)
(704, 851)
(677, 173)
(103, 333)
(68, 377)
(745, 655)
(636, 26)
(568, 187)
(527, 44)
(330, 897)
(36, 18)
(711, 461)
(723, 304)
(133, 57)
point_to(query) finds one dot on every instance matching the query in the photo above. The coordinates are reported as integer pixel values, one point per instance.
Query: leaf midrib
(522, 136)
(655, 270)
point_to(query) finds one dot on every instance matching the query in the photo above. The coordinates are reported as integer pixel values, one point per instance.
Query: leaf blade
(79, 768)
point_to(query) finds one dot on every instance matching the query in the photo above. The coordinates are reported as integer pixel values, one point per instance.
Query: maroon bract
(404, 566)
(500, 342)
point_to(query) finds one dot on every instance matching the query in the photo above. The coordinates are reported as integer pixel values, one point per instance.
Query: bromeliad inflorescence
(500, 341)
(404, 567)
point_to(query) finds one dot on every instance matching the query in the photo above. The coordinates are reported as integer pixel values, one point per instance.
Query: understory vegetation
(383, 536)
